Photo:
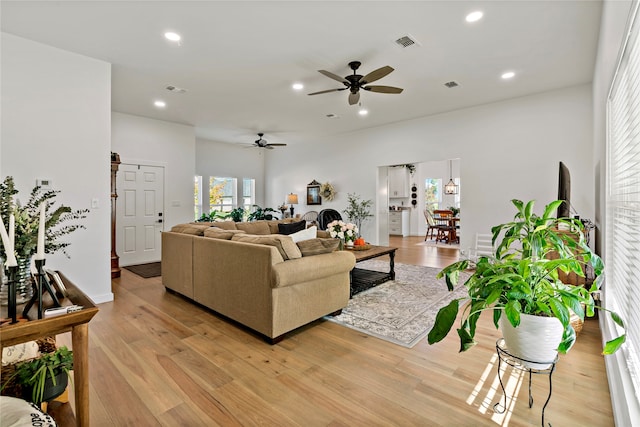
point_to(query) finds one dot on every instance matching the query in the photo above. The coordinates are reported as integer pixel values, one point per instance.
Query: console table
(78, 324)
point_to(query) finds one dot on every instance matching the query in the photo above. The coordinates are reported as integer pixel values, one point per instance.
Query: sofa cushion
(225, 225)
(284, 244)
(220, 233)
(195, 229)
(287, 229)
(273, 224)
(317, 246)
(254, 227)
(306, 234)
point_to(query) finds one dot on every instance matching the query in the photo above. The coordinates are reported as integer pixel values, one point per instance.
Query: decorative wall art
(313, 193)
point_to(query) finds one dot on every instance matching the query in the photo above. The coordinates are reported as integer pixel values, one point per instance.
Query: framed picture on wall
(313, 193)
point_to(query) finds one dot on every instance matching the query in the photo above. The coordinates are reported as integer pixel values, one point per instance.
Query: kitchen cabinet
(399, 222)
(398, 182)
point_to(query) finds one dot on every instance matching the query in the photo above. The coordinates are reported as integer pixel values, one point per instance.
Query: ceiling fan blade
(376, 74)
(334, 76)
(277, 144)
(383, 89)
(268, 147)
(327, 91)
(354, 98)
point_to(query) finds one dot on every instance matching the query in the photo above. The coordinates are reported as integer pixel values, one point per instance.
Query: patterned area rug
(400, 311)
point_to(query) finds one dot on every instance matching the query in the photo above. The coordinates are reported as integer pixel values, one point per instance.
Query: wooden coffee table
(362, 279)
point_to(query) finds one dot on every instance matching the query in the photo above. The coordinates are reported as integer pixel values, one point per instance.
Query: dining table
(451, 227)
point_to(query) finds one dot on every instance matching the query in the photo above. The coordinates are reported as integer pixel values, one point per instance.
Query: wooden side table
(78, 324)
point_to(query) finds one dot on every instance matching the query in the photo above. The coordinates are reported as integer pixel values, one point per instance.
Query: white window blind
(622, 289)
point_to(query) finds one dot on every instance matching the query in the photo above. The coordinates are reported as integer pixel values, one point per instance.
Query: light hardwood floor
(158, 359)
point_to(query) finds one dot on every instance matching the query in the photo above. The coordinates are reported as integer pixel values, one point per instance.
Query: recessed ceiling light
(174, 37)
(297, 86)
(363, 112)
(474, 16)
(160, 104)
(508, 75)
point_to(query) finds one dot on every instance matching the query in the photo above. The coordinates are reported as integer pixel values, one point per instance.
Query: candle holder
(11, 298)
(41, 285)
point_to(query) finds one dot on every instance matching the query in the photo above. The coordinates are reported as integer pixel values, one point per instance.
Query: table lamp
(292, 199)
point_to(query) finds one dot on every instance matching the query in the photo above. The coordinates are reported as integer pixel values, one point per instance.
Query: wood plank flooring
(158, 359)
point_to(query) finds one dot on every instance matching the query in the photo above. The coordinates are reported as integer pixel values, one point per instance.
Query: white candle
(40, 250)
(8, 246)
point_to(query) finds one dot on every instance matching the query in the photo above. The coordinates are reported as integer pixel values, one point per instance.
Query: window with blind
(622, 288)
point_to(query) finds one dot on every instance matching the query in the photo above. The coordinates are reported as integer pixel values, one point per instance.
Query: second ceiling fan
(355, 82)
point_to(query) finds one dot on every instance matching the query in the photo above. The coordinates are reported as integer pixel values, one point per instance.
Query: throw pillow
(220, 233)
(284, 244)
(306, 234)
(20, 413)
(287, 229)
(318, 246)
(254, 227)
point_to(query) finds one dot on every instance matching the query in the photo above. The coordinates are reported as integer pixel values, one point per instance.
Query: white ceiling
(238, 59)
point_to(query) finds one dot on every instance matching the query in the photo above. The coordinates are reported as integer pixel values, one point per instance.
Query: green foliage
(213, 216)
(237, 214)
(33, 373)
(27, 219)
(522, 279)
(260, 213)
(455, 210)
(358, 210)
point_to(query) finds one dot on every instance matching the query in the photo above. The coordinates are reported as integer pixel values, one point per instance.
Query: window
(432, 193)
(197, 196)
(621, 291)
(222, 194)
(248, 193)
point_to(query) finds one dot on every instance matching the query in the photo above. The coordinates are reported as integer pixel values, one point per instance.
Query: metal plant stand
(519, 363)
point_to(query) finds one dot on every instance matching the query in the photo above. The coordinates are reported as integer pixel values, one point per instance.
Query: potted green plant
(260, 213)
(237, 214)
(520, 281)
(358, 210)
(44, 378)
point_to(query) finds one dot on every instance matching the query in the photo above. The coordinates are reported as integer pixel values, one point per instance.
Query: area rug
(148, 270)
(401, 311)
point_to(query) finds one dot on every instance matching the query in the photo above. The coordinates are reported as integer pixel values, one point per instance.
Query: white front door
(139, 213)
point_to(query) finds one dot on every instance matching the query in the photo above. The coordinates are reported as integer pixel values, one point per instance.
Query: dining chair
(431, 225)
(446, 227)
(311, 217)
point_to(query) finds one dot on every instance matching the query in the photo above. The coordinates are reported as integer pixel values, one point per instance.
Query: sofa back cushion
(225, 225)
(220, 233)
(254, 227)
(317, 246)
(195, 229)
(284, 244)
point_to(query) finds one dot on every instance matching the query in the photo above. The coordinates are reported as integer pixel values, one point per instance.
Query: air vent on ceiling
(332, 116)
(407, 41)
(451, 84)
(175, 89)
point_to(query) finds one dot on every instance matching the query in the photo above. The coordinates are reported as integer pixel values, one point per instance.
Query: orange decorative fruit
(359, 242)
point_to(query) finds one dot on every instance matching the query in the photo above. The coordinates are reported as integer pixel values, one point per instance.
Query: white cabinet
(398, 182)
(399, 223)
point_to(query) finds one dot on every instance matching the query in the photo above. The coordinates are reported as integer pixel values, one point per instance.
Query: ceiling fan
(262, 143)
(355, 82)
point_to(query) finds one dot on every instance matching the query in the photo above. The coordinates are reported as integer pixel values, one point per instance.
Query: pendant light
(451, 187)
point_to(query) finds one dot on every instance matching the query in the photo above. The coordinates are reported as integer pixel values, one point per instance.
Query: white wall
(56, 125)
(234, 161)
(139, 140)
(508, 149)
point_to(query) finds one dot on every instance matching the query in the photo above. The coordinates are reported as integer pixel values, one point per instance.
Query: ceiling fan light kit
(354, 82)
(262, 143)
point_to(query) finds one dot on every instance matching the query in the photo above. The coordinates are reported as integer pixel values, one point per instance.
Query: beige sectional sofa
(261, 279)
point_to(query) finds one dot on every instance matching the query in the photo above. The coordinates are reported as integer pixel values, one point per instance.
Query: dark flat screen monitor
(564, 191)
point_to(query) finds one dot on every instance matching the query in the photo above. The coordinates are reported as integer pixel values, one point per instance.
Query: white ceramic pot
(536, 339)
